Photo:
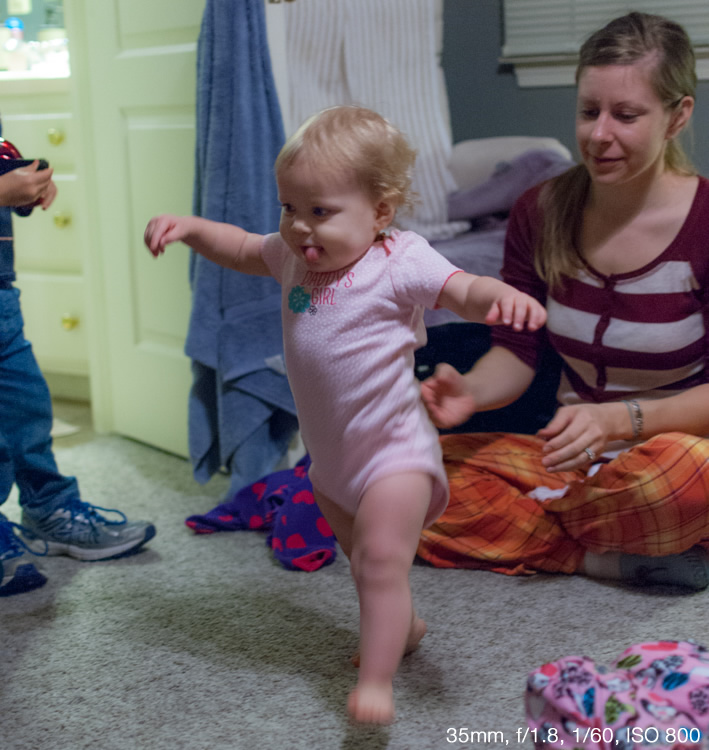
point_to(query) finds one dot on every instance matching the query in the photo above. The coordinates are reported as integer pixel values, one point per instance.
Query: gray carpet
(205, 643)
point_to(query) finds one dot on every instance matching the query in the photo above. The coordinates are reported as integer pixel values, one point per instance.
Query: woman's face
(622, 127)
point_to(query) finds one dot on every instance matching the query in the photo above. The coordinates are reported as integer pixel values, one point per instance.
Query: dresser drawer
(53, 310)
(47, 136)
(48, 241)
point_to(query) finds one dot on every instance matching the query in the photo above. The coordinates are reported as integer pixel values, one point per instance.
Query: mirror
(33, 40)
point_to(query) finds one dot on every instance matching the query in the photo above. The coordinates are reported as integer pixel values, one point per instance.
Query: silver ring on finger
(591, 454)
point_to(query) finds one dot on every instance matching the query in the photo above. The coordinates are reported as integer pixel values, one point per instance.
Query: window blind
(551, 28)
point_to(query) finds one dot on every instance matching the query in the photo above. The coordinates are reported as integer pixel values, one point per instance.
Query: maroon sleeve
(695, 245)
(518, 271)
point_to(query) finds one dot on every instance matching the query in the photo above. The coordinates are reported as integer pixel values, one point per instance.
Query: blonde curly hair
(356, 138)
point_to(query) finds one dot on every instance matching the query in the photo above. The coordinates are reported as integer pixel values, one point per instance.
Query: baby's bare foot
(371, 703)
(416, 633)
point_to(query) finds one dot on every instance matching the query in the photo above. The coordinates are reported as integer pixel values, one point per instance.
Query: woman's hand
(577, 434)
(447, 398)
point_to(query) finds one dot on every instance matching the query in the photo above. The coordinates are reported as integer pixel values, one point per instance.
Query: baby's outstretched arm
(225, 244)
(483, 299)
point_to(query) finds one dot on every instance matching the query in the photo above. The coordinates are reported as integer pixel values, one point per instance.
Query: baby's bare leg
(385, 535)
(416, 632)
(342, 524)
(340, 521)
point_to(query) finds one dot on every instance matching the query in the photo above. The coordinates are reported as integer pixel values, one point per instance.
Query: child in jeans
(52, 509)
(353, 300)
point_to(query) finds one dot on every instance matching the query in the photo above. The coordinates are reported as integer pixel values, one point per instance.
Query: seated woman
(616, 485)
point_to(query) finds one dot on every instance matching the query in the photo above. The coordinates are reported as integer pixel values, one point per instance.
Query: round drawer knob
(62, 220)
(55, 136)
(69, 322)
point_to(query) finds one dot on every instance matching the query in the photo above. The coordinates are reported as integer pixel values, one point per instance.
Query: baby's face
(327, 219)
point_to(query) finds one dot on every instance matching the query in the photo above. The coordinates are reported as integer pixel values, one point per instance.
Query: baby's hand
(447, 400)
(515, 308)
(162, 230)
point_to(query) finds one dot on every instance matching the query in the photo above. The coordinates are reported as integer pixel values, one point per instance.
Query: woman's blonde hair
(624, 41)
(359, 139)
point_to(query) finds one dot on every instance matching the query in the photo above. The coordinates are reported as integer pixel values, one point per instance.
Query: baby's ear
(385, 211)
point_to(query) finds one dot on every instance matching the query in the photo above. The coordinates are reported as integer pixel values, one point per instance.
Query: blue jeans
(26, 456)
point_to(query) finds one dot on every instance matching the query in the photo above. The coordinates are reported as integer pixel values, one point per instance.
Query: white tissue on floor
(547, 493)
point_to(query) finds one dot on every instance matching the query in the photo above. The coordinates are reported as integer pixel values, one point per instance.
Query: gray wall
(486, 101)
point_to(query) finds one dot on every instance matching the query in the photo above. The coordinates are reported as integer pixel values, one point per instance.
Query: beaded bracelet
(636, 417)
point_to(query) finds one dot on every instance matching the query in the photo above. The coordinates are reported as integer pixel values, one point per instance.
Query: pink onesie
(350, 337)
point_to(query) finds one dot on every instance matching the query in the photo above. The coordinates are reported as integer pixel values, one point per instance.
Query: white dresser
(37, 118)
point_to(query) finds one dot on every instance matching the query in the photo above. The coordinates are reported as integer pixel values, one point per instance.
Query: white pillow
(474, 161)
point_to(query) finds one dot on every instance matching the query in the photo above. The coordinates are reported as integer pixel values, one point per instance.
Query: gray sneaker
(17, 572)
(80, 531)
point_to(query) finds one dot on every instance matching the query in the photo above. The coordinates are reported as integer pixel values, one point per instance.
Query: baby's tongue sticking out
(311, 254)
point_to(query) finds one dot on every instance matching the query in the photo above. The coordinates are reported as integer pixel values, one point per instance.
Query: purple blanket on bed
(510, 179)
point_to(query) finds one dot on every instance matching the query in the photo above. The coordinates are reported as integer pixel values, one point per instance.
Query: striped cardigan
(641, 334)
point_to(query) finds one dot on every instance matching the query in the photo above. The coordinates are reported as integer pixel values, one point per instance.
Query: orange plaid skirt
(650, 500)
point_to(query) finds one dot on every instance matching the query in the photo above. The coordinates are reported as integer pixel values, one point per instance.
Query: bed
(490, 174)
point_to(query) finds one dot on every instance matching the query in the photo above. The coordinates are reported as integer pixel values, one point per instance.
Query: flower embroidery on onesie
(318, 289)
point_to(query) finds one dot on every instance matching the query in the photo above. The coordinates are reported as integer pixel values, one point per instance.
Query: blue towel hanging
(241, 412)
